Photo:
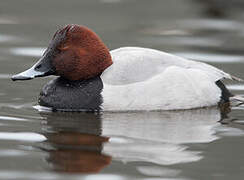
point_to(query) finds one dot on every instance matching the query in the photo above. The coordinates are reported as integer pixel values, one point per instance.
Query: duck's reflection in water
(86, 142)
(74, 142)
(159, 137)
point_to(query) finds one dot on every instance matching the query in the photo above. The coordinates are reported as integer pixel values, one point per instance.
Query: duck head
(75, 52)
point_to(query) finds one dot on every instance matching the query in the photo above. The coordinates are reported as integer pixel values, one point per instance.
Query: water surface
(196, 144)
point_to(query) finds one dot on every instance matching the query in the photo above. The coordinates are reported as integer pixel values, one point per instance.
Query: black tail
(225, 93)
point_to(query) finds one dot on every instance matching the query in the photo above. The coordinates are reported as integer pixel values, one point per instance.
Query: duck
(90, 77)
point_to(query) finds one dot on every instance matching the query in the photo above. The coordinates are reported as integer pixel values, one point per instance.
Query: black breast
(65, 95)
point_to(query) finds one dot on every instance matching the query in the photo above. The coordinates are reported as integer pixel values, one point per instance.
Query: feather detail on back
(135, 64)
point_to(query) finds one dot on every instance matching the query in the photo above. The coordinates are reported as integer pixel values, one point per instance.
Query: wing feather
(135, 64)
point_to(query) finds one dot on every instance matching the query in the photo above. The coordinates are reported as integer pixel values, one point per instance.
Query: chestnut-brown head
(75, 52)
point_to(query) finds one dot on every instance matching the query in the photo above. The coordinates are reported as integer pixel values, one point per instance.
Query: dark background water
(117, 146)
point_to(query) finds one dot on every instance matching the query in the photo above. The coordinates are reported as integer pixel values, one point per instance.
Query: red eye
(63, 48)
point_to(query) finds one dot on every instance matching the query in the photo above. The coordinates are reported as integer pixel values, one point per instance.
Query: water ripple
(206, 57)
(12, 118)
(12, 152)
(28, 51)
(6, 38)
(17, 106)
(22, 136)
(157, 171)
(27, 175)
(5, 76)
(230, 131)
(110, 1)
(236, 87)
(221, 25)
(104, 177)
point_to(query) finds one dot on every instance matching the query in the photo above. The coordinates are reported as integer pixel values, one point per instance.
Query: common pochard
(126, 79)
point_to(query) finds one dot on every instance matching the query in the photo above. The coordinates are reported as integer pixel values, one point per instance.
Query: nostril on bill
(38, 67)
